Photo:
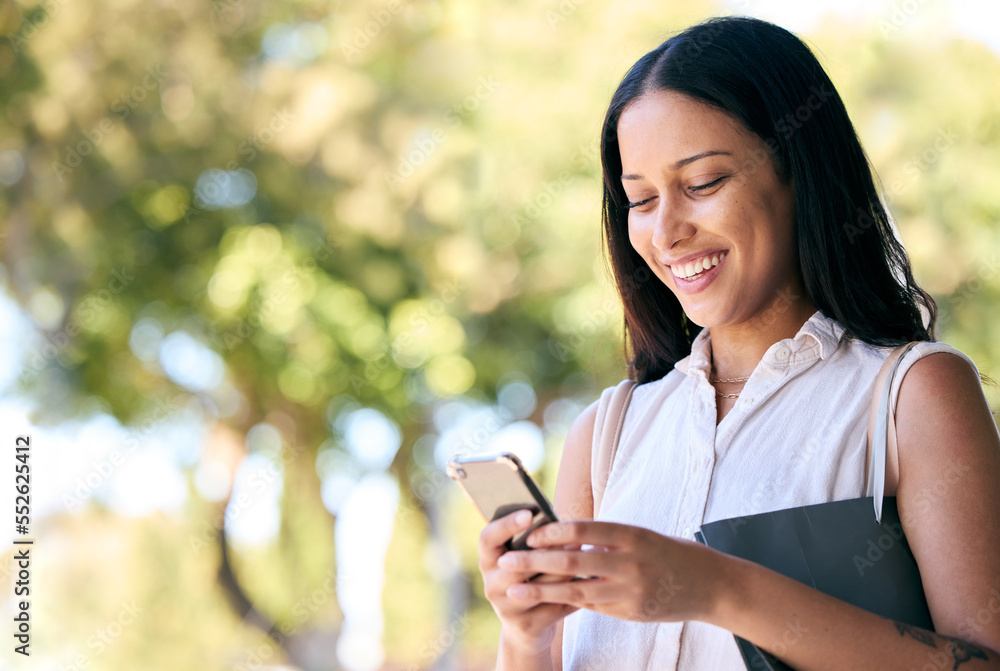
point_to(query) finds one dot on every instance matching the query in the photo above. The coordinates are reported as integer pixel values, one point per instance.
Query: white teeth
(695, 267)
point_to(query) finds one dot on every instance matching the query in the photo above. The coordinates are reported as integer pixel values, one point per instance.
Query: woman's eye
(696, 189)
(641, 202)
(702, 187)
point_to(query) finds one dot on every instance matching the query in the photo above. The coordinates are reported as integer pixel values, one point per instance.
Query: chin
(701, 318)
(708, 316)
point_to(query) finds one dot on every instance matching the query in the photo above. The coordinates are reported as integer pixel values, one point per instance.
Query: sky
(972, 19)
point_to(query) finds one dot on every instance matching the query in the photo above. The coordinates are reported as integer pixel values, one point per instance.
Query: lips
(701, 277)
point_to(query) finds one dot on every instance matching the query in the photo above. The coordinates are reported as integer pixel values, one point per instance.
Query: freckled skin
(749, 212)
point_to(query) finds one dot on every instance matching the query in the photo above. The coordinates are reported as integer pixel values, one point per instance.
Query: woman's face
(711, 218)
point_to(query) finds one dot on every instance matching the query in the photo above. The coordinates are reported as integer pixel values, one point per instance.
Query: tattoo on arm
(961, 651)
(921, 635)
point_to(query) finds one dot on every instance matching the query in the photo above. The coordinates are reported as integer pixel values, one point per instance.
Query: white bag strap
(884, 435)
(607, 429)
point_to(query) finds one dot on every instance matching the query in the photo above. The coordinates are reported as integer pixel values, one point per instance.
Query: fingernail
(523, 517)
(505, 561)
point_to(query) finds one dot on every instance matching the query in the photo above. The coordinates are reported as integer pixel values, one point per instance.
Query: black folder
(837, 548)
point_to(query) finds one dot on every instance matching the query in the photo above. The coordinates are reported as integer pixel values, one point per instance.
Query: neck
(738, 348)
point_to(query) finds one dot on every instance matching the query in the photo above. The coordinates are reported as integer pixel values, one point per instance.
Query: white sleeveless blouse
(796, 436)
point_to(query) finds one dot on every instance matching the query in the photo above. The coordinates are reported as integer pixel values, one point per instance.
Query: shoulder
(941, 383)
(942, 360)
(940, 363)
(941, 411)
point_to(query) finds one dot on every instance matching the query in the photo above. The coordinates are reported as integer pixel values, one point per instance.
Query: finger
(497, 581)
(570, 546)
(547, 577)
(594, 593)
(497, 533)
(591, 594)
(583, 532)
(578, 593)
(567, 563)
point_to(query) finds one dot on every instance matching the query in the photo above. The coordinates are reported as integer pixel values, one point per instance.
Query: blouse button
(782, 353)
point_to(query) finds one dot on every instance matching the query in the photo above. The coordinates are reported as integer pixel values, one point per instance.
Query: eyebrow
(685, 161)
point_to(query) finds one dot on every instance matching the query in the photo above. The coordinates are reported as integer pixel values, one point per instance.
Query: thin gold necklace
(728, 379)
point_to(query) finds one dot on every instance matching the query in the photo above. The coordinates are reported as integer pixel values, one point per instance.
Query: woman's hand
(636, 574)
(528, 624)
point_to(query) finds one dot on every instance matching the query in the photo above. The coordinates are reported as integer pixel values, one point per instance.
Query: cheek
(637, 237)
(779, 208)
(780, 243)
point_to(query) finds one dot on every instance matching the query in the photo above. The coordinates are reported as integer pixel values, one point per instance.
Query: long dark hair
(853, 267)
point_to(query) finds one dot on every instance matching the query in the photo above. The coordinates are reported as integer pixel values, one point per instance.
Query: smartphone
(498, 485)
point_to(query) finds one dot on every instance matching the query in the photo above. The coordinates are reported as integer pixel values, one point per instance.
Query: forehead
(667, 126)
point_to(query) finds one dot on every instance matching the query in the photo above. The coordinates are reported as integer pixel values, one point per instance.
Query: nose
(673, 224)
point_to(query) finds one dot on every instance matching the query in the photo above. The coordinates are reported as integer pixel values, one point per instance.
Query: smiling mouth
(694, 269)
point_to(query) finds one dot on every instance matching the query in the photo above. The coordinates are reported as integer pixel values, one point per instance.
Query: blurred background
(266, 266)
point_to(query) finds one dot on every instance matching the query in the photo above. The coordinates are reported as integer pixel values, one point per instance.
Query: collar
(818, 338)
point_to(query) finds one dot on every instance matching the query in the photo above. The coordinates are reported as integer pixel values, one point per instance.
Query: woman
(762, 286)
